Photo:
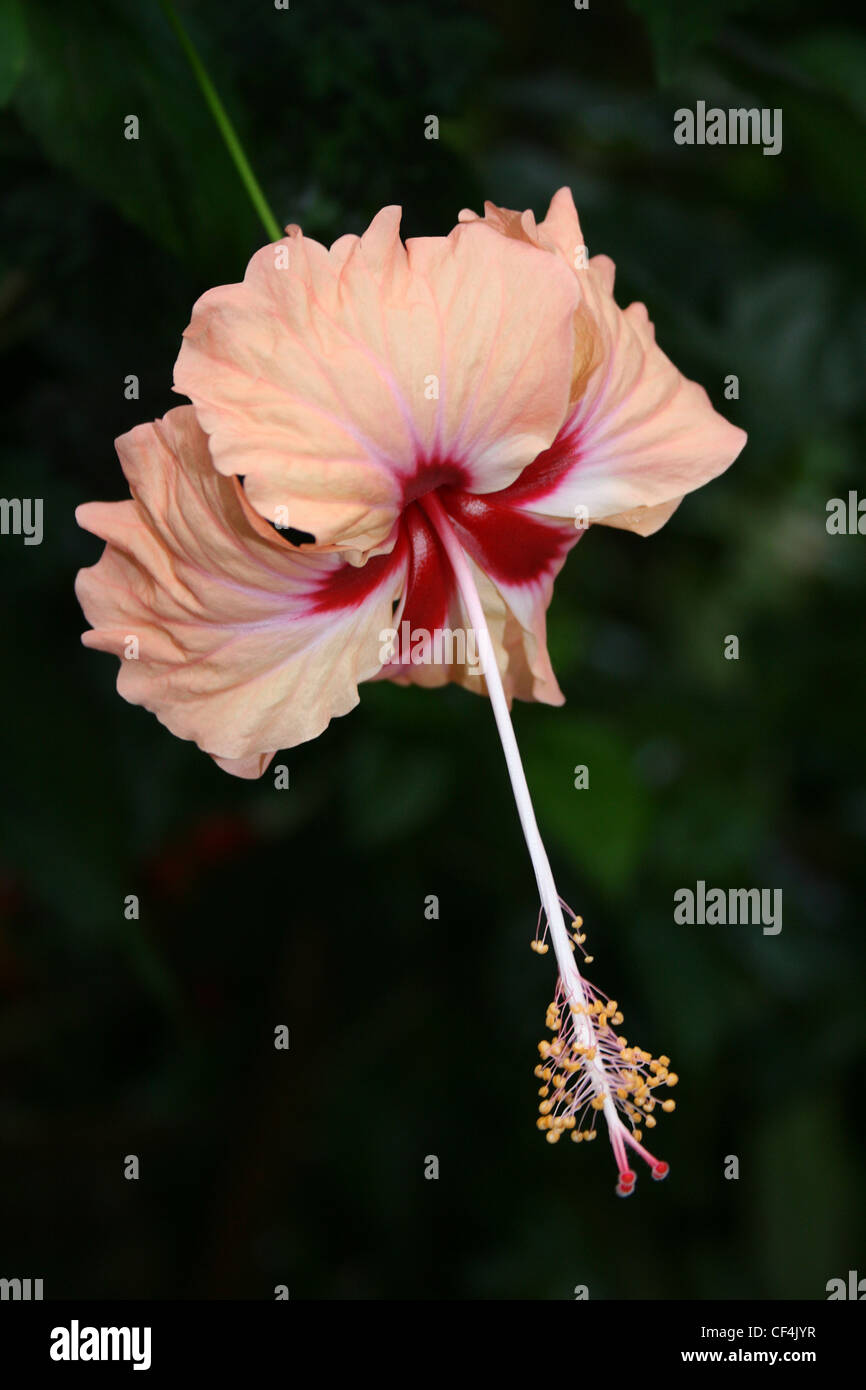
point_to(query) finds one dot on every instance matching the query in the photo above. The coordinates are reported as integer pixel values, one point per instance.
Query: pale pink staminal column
(606, 1065)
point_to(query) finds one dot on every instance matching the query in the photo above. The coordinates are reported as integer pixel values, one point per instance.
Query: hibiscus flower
(388, 436)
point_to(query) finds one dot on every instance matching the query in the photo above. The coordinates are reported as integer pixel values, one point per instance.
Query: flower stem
(224, 125)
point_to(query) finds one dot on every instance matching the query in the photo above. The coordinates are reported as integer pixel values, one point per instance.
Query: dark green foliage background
(411, 1037)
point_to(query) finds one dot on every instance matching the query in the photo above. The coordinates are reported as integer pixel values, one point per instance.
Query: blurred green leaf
(13, 46)
(837, 59)
(677, 28)
(390, 791)
(603, 826)
(801, 1220)
(90, 70)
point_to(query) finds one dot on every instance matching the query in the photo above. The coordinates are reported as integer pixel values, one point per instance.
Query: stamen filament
(569, 973)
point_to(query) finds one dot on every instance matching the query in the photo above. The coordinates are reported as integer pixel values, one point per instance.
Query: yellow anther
(635, 1074)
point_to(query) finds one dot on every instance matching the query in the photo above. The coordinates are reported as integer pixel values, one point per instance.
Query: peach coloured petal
(249, 768)
(245, 645)
(645, 521)
(640, 435)
(342, 384)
